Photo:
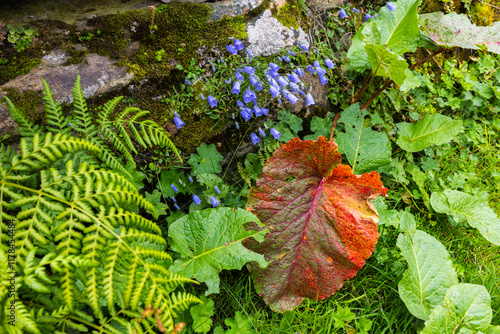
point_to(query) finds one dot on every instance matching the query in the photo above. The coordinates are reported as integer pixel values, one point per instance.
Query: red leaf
(322, 225)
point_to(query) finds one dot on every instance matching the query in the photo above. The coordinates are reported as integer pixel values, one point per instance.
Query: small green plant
(21, 38)
(159, 55)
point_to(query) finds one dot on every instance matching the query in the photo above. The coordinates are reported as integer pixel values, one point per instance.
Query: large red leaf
(322, 225)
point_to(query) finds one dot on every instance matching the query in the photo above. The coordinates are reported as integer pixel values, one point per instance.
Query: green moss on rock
(29, 102)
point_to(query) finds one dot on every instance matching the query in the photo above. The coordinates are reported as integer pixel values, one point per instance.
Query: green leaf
(343, 316)
(159, 207)
(201, 315)
(240, 325)
(207, 160)
(320, 127)
(456, 30)
(253, 165)
(210, 241)
(365, 148)
(172, 176)
(463, 207)
(432, 129)
(430, 273)
(466, 309)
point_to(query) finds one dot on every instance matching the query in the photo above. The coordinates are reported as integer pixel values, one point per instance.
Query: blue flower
(310, 69)
(355, 10)
(299, 71)
(274, 67)
(188, 82)
(309, 99)
(214, 201)
(391, 6)
(213, 67)
(323, 80)
(227, 81)
(237, 125)
(279, 101)
(294, 87)
(316, 64)
(239, 77)
(240, 104)
(174, 187)
(292, 98)
(257, 111)
(196, 200)
(236, 88)
(249, 96)
(173, 199)
(264, 111)
(292, 53)
(285, 58)
(276, 134)
(320, 71)
(202, 97)
(259, 87)
(367, 17)
(190, 179)
(274, 92)
(330, 64)
(294, 78)
(249, 69)
(212, 101)
(303, 47)
(69, 124)
(282, 81)
(343, 14)
(249, 53)
(177, 207)
(255, 138)
(253, 80)
(217, 190)
(178, 122)
(238, 44)
(232, 49)
(262, 133)
(246, 113)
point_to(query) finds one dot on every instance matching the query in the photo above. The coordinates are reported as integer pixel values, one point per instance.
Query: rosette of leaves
(322, 225)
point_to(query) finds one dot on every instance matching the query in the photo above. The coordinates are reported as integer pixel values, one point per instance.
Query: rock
(232, 8)
(267, 35)
(322, 6)
(318, 92)
(98, 76)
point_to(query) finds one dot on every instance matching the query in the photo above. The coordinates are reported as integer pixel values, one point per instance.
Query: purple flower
(292, 53)
(249, 69)
(227, 81)
(323, 80)
(282, 81)
(178, 122)
(264, 111)
(310, 69)
(214, 201)
(177, 207)
(213, 67)
(367, 17)
(188, 82)
(255, 138)
(249, 96)
(257, 111)
(212, 101)
(316, 64)
(240, 104)
(69, 124)
(173, 199)
(285, 58)
(294, 78)
(262, 133)
(274, 67)
(190, 179)
(391, 6)
(253, 80)
(238, 44)
(320, 71)
(303, 47)
(174, 187)
(343, 14)
(239, 77)
(237, 125)
(309, 99)
(292, 98)
(236, 88)
(232, 49)
(249, 53)
(246, 113)
(294, 87)
(259, 87)
(196, 200)
(299, 71)
(274, 91)
(330, 64)
(355, 10)
(202, 97)
(276, 134)
(217, 190)
(279, 101)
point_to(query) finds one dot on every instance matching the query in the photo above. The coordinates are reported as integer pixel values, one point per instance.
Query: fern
(25, 127)
(76, 247)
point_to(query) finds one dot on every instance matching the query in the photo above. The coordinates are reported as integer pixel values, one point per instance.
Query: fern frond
(82, 119)
(53, 112)
(25, 127)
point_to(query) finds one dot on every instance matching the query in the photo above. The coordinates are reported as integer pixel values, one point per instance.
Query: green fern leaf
(53, 112)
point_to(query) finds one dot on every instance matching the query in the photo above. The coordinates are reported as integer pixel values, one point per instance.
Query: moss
(258, 10)
(16, 66)
(29, 102)
(484, 13)
(77, 56)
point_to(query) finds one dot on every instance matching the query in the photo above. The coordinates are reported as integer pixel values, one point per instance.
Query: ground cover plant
(396, 191)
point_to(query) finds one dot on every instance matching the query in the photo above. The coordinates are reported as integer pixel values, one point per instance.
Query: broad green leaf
(491, 330)
(253, 165)
(463, 207)
(432, 129)
(240, 325)
(322, 224)
(159, 207)
(398, 30)
(202, 314)
(386, 63)
(465, 309)
(456, 30)
(320, 127)
(207, 160)
(365, 148)
(173, 176)
(210, 241)
(430, 273)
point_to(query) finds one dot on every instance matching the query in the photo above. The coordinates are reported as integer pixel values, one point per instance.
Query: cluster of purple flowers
(196, 199)
(342, 13)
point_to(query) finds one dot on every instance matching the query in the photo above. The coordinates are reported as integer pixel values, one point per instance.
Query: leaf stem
(366, 83)
(334, 125)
